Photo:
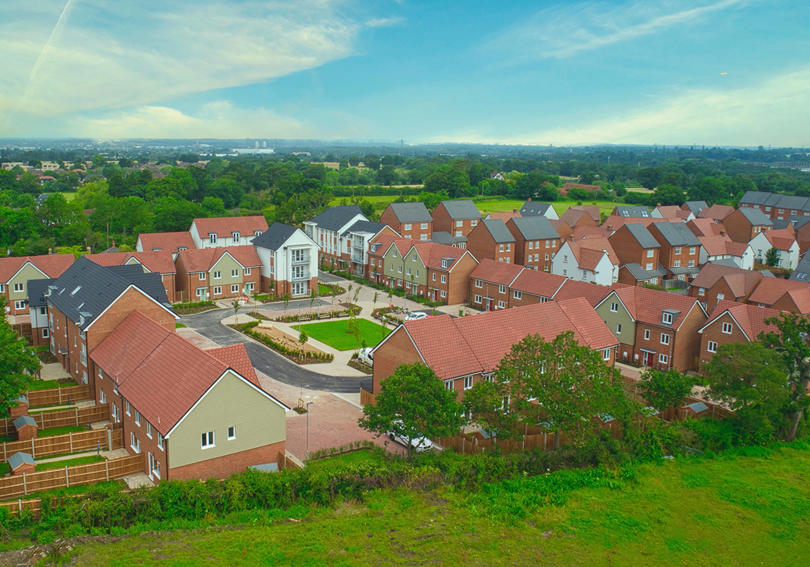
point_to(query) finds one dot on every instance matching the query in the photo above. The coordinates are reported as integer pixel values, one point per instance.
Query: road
(267, 361)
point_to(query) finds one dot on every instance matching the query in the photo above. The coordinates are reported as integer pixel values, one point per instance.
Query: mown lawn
(337, 334)
(731, 510)
(69, 462)
(60, 430)
(50, 384)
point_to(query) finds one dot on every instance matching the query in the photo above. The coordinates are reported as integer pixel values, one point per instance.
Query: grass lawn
(49, 384)
(60, 430)
(498, 205)
(179, 326)
(731, 510)
(70, 462)
(334, 333)
(4, 469)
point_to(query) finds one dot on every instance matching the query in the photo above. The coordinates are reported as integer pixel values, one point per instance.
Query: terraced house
(217, 273)
(589, 260)
(16, 272)
(491, 239)
(395, 272)
(160, 262)
(733, 322)
(457, 218)
(448, 271)
(490, 284)
(680, 249)
(638, 253)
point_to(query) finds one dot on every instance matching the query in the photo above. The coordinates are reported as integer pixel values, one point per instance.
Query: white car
(415, 316)
(420, 444)
(365, 356)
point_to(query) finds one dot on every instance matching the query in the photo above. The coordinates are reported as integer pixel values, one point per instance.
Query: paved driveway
(267, 361)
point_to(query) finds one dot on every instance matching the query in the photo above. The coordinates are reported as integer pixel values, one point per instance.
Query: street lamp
(306, 405)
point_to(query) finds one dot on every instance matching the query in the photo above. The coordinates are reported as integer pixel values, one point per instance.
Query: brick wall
(225, 466)
(714, 333)
(397, 349)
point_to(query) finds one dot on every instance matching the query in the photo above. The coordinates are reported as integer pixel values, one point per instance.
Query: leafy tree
(665, 390)
(772, 257)
(412, 403)
(669, 195)
(453, 181)
(488, 403)
(17, 364)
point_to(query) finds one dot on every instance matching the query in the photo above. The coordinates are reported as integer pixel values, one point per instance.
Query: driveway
(267, 361)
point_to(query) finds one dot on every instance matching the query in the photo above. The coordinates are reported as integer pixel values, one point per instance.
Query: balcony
(299, 259)
(300, 275)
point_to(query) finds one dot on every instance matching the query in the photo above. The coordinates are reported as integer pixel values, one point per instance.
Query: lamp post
(307, 439)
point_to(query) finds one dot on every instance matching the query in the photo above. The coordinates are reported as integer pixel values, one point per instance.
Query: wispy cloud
(572, 28)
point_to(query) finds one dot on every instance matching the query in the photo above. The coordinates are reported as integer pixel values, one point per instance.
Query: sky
(567, 72)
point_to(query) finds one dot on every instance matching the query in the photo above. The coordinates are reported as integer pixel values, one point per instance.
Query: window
(434, 276)
(160, 441)
(235, 236)
(423, 226)
(618, 328)
(444, 278)
(134, 442)
(531, 245)
(231, 433)
(677, 250)
(448, 384)
(663, 358)
(249, 286)
(477, 299)
(19, 287)
(606, 354)
(234, 288)
(720, 296)
(207, 440)
(664, 338)
(201, 292)
(508, 247)
(517, 294)
(712, 346)
(443, 293)
(149, 430)
(217, 290)
(468, 382)
(2, 288)
(45, 333)
(650, 252)
(202, 275)
(501, 289)
(614, 307)
(501, 305)
(234, 273)
(102, 399)
(500, 248)
(399, 269)
(19, 304)
(691, 263)
(407, 226)
(137, 418)
(691, 250)
(535, 256)
(126, 407)
(474, 222)
(247, 271)
(701, 291)
(726, 328)
(217, 275)
(479, 283)
(666, 318)
(646, 334)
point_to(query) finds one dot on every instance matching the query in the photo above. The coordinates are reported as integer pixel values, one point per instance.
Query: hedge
(298, 356)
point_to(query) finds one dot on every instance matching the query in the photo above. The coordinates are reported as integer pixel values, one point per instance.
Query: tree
(413, 403)
(17, 365)
(772, 257)
(665, 390)
(455, 182)
(303, 337)
(669, 195)
(488, 403)
(236, 306)
(791, 343)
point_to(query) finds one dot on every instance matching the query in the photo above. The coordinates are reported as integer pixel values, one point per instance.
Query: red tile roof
(716, 245)
(432, 254)
(673, 212)
(589, 251)
(384, 240)
(770, 290)
(591, 292)
(160, 262)
(740, 281)
(477, 343)
(171, 241)
(715, 212)
(203, 259)
(501, 273)
(160, 373)
(647, 305)
(801, 298)
(51, 264)
(572, 215)
(224, 226)
(750, 318)
(705, 227)
(236, 357)
(504, 216)
(781, 239)
(615, 222)
(539, 283)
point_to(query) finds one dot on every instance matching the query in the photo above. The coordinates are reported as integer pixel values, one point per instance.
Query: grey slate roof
(756, 217)
(23, 420)
(444, 237)
(726, 262)
(632, 211)
(17, 459)
(275, 236)
(685, 270)
(754, 198)
(498, 230)
(370, 227)
(334, 218)
(411, 212)
(642, 235)
(641, 274)
(802, 271)
(677, 234)
(36, 292)
(534, 208)
(535, 228)
(462, 209)
(776, 200)
(696, 206)
(86, 289)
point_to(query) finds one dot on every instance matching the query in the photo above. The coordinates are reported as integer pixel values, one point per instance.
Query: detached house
(327, 229)
(783, 241)
(536, 241)
(173, 242)
(160, 262)
(17, 271)
(589, 260)
(288, 261)
(456, 218)
(722, 248)
(226, 231)
(218, 273)
(638, 254)
(733, 322)
(744, 224)
(211, 419)
(656, 329)
(491, 239)
(680, 249)
(411, 220)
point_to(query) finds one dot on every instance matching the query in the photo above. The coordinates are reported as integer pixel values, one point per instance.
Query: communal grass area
(338, 335)
(69, 462)
(727, 510)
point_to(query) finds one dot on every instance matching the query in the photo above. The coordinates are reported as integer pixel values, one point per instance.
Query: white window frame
(646, 334)
(160, 441)
(517, 294)
(149, 430)
(501, 289)
(479, 283)
(468, 382)
(727, 328)
(235, 288)
(665, 338)
(235, 273)
(711, 346)
(614, 307)
(207, 440)
(137, 418)
(606, 354)
(663, 359)
(217, 275)
(203, 276)
(246, 271)
(126, 407)
(477, 299)
(667, 318)
(231, 432)
(19, 286)
(448, 384)
(217, 290)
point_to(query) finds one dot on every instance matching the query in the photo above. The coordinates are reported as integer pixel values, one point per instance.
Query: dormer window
(667, 318)
(235, 236)
(212, 238)
(257, 233)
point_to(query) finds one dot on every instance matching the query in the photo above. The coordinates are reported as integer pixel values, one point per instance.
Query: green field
(336, 333)
(730, 510)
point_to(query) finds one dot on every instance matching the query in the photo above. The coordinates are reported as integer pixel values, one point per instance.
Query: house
(680, 249)
(377, 247)
(442, 237)
(326, 229)
(491, 239)
(706, 227)
(716, 213)
(801, 226)
(672, 213)
(490, 282)
(210, 420)
(770, 292)
(694, 207)
(226, 231)
(471, 347)
(456, 218)
(17, 271)
(590, 292)
(447, 270)
(721, 248)
(537, 208)
(536, 241)
(615, 222)
(411, 220)
(581, 215)
(656, 329)
(794, 300)
(744, 224)
(589, 260)
(160, 262)
(802, 271)
(219, 273)
(716, 282)
(631, 211)
(359, 235)
(533, 286)
(775, 205)
(38, 312)
(172, 242)
(732, 322)
(638, 254)
(504, 215)
(783, 241)
(395, 272)
(87, 302)
(288, 261)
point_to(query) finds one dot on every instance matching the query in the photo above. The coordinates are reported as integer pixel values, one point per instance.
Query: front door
(649, 358)
(488, 303)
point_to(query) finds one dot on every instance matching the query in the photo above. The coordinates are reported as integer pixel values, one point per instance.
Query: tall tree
(17, 365)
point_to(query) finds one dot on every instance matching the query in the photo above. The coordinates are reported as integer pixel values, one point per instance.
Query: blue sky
(729, 72)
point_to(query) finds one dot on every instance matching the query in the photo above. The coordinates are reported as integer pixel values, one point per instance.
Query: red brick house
(226, 231)
(581, 215)
(182, 426)
(733, 322)
(471, 347)
(536, 241)
(716, 213)
(159, 262)
(448, 271)
(744, 224)
(716, 282)
(218, 273)
(411, 220)
(490, 282)
(457, 218)
(794, 300)
(638, 253)
(680, 249)
(592, 293)
(769, 292)
(491, 239)
(532, 286)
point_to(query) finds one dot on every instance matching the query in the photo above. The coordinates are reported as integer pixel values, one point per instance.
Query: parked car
(365, 356)
(415, 316)
(419, 444)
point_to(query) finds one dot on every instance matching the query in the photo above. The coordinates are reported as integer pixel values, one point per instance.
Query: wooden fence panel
(34, 506)
(56, 396)
(62, 418)
(57, 444)
(366, 397)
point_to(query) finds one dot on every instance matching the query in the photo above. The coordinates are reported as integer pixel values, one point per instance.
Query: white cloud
(569, 29)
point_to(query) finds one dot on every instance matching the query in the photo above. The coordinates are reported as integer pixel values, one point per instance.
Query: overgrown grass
(60, 430)
(749, 507)
(69, 462)
(339, 335)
